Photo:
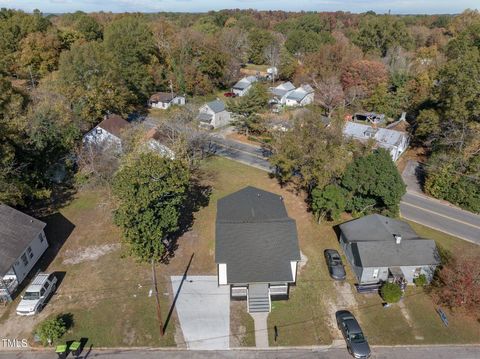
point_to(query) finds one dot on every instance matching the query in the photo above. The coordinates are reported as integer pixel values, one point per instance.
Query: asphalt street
(247, 154)
(424, 352)
(440, 215)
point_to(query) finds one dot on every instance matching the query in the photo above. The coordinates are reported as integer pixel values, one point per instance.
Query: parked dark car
(357, 344)
(335, 265)
(230, 94)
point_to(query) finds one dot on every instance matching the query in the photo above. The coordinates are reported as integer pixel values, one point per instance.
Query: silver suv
(37, 294)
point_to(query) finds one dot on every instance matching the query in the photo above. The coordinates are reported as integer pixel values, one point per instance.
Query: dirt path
(344, 300)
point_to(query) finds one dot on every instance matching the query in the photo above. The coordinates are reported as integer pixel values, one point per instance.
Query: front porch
(8, 286)
(259, 295)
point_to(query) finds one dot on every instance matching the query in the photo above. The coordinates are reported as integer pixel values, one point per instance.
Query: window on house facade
(24, 259)
(42, 237)
(29, 251)
(375, 273)
(99, 131)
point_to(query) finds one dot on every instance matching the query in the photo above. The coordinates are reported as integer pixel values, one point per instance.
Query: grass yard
(300, 319)
(416, 321)
(104, 291)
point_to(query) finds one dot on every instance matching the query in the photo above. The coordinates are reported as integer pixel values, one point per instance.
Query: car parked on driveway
(335, 265)
(37, 294)
(230, 94)
(357, 344)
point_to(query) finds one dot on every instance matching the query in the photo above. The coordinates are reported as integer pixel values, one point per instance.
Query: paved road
(440, 215)
(250, 155)
(434, 352)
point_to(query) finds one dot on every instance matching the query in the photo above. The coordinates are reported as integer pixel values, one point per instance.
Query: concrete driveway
(203, 309)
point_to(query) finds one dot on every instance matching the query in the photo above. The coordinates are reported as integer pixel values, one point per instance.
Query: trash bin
(76, 348)
(61, 351)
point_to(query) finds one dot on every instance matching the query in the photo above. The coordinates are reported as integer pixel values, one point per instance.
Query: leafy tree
(365, 75)
(391, 292)
(247, 107)
(457, 284)
(303, 155)
(151, 191)
(39, 53)
(51, 329)
(86, 77)
(258, 41)
(374, 184)
(380, 33)
(12, 102)
(287, 66)
(89, 28)
(14, 26)
(328, 202)
(301, 42)
(130, 42)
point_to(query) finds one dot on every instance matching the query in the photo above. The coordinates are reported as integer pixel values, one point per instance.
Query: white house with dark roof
(256, 247)
(163, 100)
(380, 248)
(395, 142)
(287, 94)
(107, 134)
(22, 243)
(244, 85)
(214, 114)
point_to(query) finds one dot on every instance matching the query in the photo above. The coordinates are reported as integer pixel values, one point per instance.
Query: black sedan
(357, 344)
(335, 265)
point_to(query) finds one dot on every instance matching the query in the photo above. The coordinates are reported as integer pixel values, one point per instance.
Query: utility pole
(155, 289)
(171, 88)
(31, 76)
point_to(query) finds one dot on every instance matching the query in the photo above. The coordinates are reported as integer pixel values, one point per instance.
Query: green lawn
(389, 326)
(106, 295)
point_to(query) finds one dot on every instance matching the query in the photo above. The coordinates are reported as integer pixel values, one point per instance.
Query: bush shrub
(391, 292)
(420, 281)
(51, 329)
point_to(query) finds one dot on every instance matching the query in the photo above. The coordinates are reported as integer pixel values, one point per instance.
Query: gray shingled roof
(373, 243)
(375, 227)
(204, 117)
(255, 237)
(216, 106)
(17, 230)
(389, 254)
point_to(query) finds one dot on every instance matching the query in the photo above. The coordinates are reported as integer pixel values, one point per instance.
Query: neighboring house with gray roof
(395, 142)
(256, 247)
(22, 243)
(242, 87)
(163, 100)
(214, 114)
(286, 94)
(380, 249)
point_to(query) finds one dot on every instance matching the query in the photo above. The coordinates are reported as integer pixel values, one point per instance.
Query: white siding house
(107, 134)
(286, 94)
(256, 247)
(214, 115)
(395, 142)
(379, 248)
(164, 100)
(242, 87)
(22, 243)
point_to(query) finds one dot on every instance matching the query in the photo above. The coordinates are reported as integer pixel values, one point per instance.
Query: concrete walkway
(203, 309)
(261, 329)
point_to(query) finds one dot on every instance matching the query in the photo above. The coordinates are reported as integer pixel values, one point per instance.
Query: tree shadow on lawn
(198, 196)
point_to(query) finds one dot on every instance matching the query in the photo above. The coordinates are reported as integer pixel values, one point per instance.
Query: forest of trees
(59, 75)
